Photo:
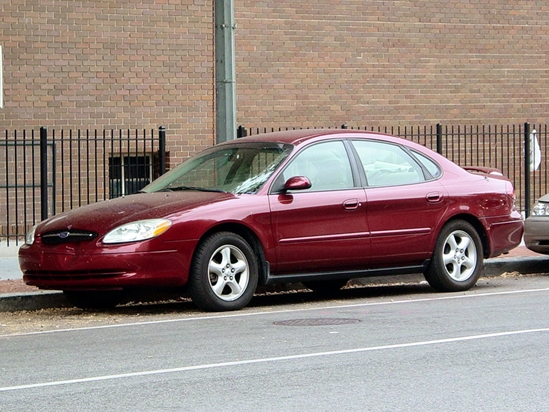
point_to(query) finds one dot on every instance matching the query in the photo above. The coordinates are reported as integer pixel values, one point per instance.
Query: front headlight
(29, 237)
(540, 209)
(137, 231)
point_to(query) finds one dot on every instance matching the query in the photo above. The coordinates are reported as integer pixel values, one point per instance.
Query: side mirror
(297, 183)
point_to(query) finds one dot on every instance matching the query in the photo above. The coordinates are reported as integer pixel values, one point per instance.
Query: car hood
(104, 216)
(544, 199)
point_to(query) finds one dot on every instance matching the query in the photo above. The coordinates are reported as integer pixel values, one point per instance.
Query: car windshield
(235, 168)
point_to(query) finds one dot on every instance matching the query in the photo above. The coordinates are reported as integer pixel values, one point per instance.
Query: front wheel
(224, 273)
(457, 260)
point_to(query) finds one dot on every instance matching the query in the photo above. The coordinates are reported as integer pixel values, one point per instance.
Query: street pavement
(520, 260)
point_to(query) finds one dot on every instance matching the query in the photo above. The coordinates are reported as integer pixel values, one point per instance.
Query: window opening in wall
(129, 174)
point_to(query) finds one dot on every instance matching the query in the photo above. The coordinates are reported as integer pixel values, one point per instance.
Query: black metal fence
(46, 173)
(509, 148)
(49, 172)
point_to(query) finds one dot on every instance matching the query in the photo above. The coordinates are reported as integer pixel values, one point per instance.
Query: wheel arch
(249, 236)
(479, 227)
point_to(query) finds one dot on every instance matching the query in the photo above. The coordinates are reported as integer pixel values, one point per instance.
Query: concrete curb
(523, 265)
(13, 302)
(16, 302)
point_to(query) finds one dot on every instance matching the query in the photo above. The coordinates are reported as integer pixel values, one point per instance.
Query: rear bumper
(505, 234)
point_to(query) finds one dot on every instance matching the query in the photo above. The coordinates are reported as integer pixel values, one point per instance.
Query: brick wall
(325, 62)
(145, 63)
(110, 64)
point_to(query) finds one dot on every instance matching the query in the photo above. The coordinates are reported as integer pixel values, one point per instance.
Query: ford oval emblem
(64, 235)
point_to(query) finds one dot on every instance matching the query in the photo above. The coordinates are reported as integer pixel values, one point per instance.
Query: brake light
(510, 191)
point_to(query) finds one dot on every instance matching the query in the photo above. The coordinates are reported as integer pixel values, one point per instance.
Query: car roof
(299, 136)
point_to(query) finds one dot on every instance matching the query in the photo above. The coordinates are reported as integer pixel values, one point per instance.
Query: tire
(457, 260)
(224, 273)
(94, 299)
(325, 287)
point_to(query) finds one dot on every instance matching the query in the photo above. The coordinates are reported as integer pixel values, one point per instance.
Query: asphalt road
(400, 348)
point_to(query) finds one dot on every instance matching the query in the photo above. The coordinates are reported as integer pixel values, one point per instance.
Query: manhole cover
(316, 322)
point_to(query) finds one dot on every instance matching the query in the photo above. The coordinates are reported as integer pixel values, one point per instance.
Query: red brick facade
(145, 63)
(136, 64)
(392, 62)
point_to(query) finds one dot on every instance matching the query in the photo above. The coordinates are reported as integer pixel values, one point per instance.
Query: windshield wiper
(200, 189)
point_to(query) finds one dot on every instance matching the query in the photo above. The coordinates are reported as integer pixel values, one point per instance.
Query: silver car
(536, 227)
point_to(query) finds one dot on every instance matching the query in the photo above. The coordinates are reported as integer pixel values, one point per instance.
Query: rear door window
(387, 164)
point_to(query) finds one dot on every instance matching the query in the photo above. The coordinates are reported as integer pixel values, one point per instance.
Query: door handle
(351, 204)
(434, 197)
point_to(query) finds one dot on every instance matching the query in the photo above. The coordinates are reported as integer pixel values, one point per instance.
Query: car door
(322, 228)
(405, 202)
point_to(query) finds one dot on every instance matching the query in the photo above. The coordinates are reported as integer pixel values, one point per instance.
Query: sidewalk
(15, 295)
(9, 267)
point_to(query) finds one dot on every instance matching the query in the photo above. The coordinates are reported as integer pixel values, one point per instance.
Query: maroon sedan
(313, 206)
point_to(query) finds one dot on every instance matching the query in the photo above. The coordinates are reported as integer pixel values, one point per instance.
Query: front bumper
(536, 233)
(64, 268)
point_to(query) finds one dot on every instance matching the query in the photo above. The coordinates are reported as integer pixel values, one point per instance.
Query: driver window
(326, 165)
(387, 164)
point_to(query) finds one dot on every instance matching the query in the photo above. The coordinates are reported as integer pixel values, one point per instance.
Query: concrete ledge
(14, 302)
(523, 265)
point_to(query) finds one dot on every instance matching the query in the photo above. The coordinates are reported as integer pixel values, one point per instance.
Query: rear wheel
(224, 273)
(457, 261)
(107, 299)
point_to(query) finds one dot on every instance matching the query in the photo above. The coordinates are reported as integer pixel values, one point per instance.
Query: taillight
(510, 190)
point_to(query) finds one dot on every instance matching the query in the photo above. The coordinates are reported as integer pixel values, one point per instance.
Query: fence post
(162, 149)
(43, 173)
(526, 169)
(439, 138)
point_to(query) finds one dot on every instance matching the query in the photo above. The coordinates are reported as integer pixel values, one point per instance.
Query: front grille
(67, 236)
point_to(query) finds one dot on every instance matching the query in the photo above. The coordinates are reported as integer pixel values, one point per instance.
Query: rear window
(429, 164)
